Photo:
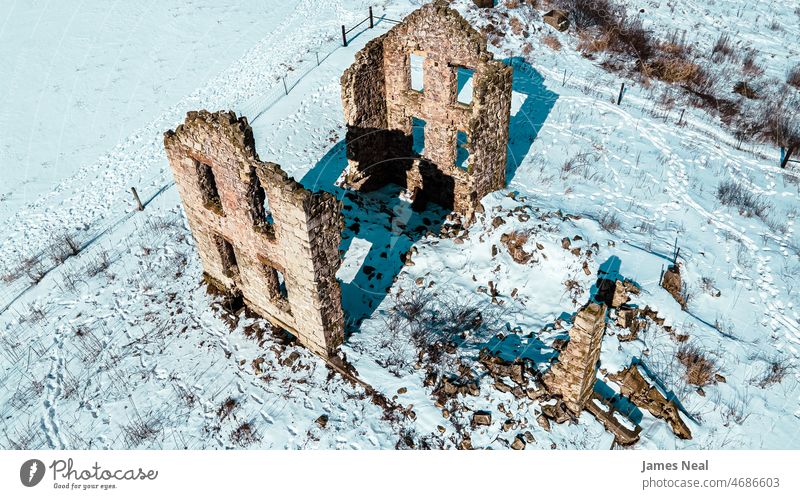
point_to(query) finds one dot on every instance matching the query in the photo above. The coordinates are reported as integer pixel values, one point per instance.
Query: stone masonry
(264, 237)
(573, 376)
(259, 233)
(380, 104)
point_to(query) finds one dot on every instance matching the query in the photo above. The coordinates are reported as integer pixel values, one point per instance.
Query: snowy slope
(123, 350)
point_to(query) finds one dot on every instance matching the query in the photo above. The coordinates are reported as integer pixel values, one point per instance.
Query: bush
(699, 368)
(610, 222)
(731, 193)
(773, 373)
(722, 49)
(793, 78)
(675, 69)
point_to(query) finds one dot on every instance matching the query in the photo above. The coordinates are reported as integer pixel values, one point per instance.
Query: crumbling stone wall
(573, 376)
(379, 106)
(243, 247)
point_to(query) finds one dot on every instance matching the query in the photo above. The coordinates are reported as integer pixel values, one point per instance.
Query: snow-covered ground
(120, 346)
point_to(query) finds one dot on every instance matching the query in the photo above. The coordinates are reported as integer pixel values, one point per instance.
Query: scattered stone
(565, 242)
(322, 421)
(543, 422)
(481, 418)
(518, 443)
(515, 241)
(529, 437)
(402, 390)
(642, 394)
(497, 222)
(719, 378)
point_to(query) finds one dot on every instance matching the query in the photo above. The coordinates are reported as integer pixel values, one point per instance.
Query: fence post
(344, 36)
(371, 23)
(564, 81)
(786, 156)
(139, 205)
(284, 86)
(621, 90)
(317, 54)
(680, 120)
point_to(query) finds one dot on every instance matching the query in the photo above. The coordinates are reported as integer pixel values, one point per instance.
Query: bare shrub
(226, 409)
(609, 221)
(244, 435)
(734, 194)
(699, 368)
(142, 430)
(64, 247)
(750, 66)
(99, 264)
(722, 49)
(774, 372)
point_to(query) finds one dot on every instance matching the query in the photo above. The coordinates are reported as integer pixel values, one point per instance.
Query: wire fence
(19, 277)
(259, 104)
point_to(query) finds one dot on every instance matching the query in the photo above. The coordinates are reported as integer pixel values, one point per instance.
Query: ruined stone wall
(447, 41)
(300, 239)
(573, 376)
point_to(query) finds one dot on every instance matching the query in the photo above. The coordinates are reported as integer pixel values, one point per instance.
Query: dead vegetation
(609, 221)
(245, 435)
(552, 42)
(731, 193)
(700, 369)
(793, 77)
(773, 373)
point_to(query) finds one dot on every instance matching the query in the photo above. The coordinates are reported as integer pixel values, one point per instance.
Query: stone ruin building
(428, 108)
(259, 233)
(263, 236)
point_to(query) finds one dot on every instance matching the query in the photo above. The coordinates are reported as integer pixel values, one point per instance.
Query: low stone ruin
(671, 281)
(573, 376)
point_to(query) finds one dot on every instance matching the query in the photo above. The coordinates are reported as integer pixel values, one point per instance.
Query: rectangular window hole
(228, 257)
(465, 78)
(208, 187)
(462, 153)
(418, 135)
(417, 63)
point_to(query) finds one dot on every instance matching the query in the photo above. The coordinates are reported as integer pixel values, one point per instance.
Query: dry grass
(773, 373)
(731, 193)
(552, 42)
(723, 50)
(699, 368)
(675, 69)
(750, 66)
